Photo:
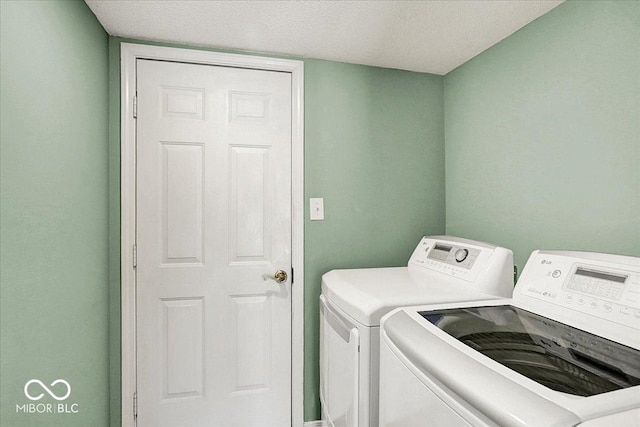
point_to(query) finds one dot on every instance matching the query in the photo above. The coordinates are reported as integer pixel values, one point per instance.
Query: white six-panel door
(213, 216)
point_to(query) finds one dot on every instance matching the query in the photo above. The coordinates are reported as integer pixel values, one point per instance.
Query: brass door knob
(279, 277)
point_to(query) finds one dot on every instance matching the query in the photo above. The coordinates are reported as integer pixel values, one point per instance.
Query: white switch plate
(317, 209)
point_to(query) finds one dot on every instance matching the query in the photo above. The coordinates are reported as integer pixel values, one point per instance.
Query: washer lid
(447, 370)
(368, 294)
(551, 353)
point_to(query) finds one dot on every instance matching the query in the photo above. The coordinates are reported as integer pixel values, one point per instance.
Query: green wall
(543, 134)
(374, 149)
(53, 264)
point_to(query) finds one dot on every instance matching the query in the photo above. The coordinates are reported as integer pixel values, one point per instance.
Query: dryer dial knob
(461, 254)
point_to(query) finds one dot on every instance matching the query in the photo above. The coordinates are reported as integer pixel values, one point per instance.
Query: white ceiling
(426, 36)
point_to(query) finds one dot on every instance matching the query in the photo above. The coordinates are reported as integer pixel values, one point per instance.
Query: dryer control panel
(458, 256)
(471, 261)
(602, 285)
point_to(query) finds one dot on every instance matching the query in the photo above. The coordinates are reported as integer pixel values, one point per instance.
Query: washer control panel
(602, 285)
(596, 283)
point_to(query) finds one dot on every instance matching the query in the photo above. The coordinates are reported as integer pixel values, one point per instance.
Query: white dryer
(441, 269)
(564, 351)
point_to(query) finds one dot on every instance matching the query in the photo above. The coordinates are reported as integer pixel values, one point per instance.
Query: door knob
(279, 277)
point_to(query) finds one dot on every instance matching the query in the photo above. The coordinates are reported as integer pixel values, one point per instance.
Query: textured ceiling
(426, 36)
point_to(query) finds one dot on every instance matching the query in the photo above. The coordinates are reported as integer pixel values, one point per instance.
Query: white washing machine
(564, 351)
(441, 269)
(630, 418)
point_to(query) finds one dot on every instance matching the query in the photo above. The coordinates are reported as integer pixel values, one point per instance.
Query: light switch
(317, 209)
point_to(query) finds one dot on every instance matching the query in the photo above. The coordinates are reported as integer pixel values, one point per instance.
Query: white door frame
(129, 53)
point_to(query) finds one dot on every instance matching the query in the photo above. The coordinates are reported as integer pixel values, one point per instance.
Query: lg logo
(36, 390)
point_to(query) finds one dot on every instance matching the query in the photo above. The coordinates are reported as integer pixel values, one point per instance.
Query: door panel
(250, 196)
(252, 320)
(182, 204)
(213, 216)
(182, 348)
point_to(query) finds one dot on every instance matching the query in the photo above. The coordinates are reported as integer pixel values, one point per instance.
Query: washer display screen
(553, 354)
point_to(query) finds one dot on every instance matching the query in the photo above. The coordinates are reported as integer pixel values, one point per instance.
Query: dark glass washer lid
(553, 354)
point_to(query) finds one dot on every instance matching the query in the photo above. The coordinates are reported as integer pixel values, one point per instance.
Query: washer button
(556, 274)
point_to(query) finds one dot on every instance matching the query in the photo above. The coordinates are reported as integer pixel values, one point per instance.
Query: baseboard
(315, 424)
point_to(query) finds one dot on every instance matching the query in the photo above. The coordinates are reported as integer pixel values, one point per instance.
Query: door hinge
(292, 275)
(135, 405)
(135, 256)
(135, 106)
